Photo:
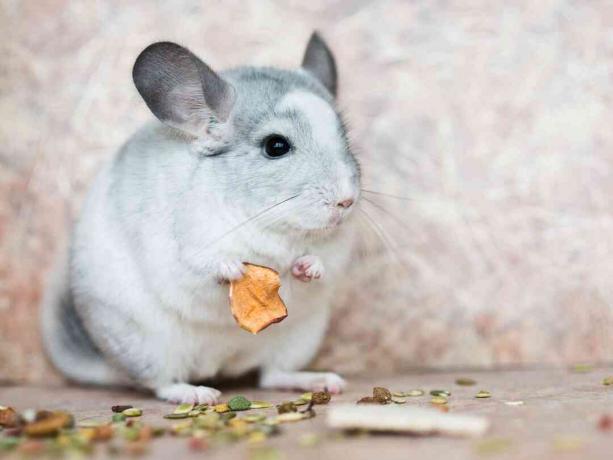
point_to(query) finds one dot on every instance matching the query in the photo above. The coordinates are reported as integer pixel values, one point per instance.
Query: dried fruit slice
(255, 300)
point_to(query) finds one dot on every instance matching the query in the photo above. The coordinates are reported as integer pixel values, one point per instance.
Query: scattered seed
(265, 453)
(608, 380)
(493, 445)
(9, 443)
(582, 368)
(322, 397)
(119, 409)
(239, 403)
(9, 418)
(368, 400)
(254, 418)
(292, 417)
(221, 408)
(309, 440)
(132, 412)
(300, 402)
(260, 405)
(381, 394)
(465, 382)
(398, 400)
(49, 426)
(483, 394)
(307, 396)
(176, 416)
(439, 400)
(514, 403)
(286, 407)
(444, 393)
(184, 408)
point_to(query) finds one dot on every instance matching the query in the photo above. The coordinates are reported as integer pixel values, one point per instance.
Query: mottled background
(494, 117)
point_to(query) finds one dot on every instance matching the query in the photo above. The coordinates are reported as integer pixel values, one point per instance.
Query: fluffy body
(142, 297)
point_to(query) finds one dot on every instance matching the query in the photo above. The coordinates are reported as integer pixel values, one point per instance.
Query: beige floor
(558, 420)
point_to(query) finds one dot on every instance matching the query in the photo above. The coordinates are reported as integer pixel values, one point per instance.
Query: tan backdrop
(494, 117)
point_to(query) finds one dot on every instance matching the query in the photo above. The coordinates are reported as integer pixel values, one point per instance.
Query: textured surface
(558, 420)
(493, 117)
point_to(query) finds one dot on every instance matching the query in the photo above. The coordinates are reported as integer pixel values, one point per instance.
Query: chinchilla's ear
(180, 89)
(319, 61)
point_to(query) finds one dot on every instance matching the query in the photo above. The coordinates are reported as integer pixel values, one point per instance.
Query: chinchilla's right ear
(180, 89)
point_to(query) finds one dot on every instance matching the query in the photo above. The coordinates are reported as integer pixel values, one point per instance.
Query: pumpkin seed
(260, 405)
(410, 393)
(286, 407)
(119, 409)
(133, 412)
(321, 397)
(239, 403)
(117, 418)
(175, 416)
(221, 408)
(381, 394)
(439, 400)
(465, 382)
(483, 394)
(300, 402)
(514, 403)
(184, 408)
(254, 418)
(398, 400)
(444, 393)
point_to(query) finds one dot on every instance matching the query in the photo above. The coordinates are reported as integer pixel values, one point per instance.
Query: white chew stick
(405, 419)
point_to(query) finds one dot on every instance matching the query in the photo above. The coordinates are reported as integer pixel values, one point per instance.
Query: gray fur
(140, 299)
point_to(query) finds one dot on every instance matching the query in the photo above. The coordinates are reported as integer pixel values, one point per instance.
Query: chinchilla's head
(271, 140)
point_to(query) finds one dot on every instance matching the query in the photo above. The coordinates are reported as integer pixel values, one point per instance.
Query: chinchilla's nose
(345, 203)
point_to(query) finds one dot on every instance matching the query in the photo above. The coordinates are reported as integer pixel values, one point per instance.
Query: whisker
(250, 220)
(389, 195)
(388, 213)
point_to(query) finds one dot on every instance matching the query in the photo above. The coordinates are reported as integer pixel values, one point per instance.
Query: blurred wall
(494, 117)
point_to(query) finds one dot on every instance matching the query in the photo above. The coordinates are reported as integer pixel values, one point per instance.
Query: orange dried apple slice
(255, 300)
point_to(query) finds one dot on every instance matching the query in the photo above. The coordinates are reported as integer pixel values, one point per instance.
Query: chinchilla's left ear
(319, 61)
(180, 89)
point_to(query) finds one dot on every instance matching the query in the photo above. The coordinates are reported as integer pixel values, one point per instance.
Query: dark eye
(276, 146)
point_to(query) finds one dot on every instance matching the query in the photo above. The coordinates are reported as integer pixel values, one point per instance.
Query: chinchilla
(247, 165)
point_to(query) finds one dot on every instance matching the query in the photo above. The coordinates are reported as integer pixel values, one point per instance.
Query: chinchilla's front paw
(230, 270)
(307, 268)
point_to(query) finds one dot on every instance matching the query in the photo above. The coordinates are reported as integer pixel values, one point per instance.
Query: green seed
(175, 416)
(261, 405)
(309, 440)
(254, 418)
(582, 368)
(239, 403)
(184, 408)
(118, 418)
(444, 393)
(133, 412)
(414, 393)
(483, 394)
(300, 402)
(438, 400)
(608, 380)
(465, 382)
(9, 443)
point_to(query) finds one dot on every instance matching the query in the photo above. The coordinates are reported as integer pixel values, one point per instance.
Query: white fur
(147, 309)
